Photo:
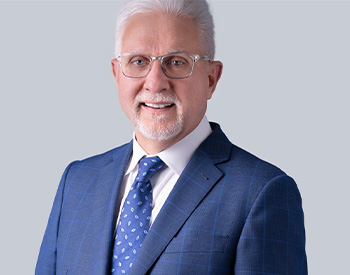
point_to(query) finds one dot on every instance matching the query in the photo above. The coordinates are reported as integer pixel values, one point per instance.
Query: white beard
(161, 129)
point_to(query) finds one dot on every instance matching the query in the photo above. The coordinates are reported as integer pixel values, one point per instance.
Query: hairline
(203, 21)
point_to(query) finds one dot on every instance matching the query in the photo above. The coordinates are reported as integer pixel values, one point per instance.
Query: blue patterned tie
(135, 217)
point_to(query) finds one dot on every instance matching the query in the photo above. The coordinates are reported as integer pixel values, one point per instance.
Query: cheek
(128, 89)
(195, 103)
(199, 94)
(125, 97)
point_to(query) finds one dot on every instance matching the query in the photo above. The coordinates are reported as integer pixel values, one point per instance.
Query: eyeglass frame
(195, 58)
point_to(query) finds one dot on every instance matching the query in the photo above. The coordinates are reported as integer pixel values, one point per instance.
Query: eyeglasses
(174, 65)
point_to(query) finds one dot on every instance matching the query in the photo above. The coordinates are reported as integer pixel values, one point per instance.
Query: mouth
(158, 105)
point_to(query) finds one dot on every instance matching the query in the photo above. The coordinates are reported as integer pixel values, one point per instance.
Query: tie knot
(148, 167)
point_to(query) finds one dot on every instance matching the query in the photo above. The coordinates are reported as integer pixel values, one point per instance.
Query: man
(209, 207)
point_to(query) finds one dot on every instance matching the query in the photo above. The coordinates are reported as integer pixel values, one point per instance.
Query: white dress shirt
(175, 158)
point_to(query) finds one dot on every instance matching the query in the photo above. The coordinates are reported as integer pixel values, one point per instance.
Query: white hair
(197, 10)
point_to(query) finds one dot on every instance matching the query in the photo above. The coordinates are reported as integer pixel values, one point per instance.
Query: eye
(176, 63)
(139, 60)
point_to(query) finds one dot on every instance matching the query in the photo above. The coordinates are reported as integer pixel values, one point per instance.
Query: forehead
(160, 33)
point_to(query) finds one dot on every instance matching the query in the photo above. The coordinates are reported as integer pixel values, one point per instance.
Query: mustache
(159, 97)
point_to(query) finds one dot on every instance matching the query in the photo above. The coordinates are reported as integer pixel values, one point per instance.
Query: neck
(152, 146)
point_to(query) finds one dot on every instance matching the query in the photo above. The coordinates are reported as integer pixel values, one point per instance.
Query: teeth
(158, 106)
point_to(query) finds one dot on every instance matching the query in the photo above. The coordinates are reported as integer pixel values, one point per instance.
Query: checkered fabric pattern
(229, 213)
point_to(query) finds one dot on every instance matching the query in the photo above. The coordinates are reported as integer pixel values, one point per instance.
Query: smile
(159, 105)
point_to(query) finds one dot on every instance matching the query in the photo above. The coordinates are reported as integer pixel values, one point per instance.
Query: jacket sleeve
(46, 263)
(273, 237)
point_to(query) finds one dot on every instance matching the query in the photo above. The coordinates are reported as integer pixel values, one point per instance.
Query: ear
(115, 69)
(214, 74)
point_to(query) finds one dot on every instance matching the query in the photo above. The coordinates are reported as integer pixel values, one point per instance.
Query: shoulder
(251, 177)
(81, 174)
(248, 163)
(239, 163)
(99, 161)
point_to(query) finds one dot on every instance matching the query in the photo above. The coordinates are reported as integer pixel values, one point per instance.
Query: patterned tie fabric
(134, 217)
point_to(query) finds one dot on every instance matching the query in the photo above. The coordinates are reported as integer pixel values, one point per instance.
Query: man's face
(164, 110)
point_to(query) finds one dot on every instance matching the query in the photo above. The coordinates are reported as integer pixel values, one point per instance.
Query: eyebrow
(169, 51)
(176, 50)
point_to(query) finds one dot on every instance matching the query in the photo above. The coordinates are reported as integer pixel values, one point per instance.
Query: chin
(160, 129)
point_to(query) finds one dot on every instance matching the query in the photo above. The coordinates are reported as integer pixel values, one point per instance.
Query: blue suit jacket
(229, 213)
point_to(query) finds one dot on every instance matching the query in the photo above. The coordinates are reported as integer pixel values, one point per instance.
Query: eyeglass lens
(174, 65)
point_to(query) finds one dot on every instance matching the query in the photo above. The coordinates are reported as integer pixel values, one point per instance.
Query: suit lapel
(198, 178)
(105, 208)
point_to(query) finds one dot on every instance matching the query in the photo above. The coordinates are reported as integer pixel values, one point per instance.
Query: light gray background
(283, 96)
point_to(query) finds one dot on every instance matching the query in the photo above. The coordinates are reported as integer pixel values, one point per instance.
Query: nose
(156, 81)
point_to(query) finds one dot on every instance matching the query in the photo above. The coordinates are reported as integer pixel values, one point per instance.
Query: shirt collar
(178, 155)
(137, 154)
